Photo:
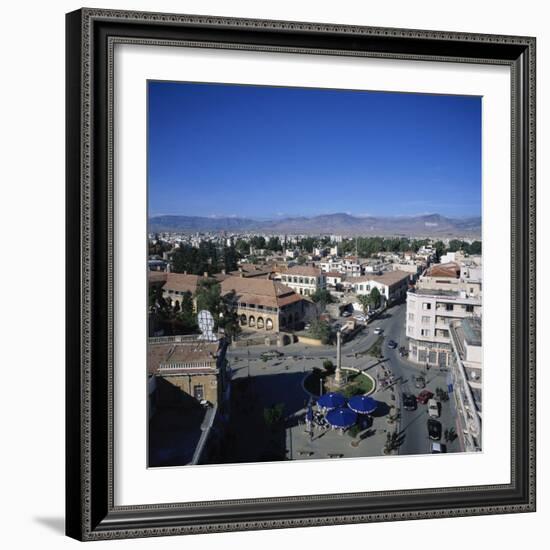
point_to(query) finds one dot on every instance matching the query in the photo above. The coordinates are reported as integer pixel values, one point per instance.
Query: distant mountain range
(427, 225)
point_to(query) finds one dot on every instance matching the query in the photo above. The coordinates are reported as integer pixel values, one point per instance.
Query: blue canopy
(341, 417)
(331, 400)
(362, 404)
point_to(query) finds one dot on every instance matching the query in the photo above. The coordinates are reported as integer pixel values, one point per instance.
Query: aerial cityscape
(314, 273)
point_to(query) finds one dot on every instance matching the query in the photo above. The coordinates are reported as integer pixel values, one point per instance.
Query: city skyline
(288, 152)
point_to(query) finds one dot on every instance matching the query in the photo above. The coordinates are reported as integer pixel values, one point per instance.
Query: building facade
(466, 375)
(429, 316)
(264, 305)
(392, 285)
(304, 280)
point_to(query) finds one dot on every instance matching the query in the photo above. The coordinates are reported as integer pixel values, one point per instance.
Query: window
(410, 329)
(426, 306)
(411, 316)
(449, 307)
(425, 332)
(425, 319)
(470, 308)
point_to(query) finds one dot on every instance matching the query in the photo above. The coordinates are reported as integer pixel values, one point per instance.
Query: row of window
(301, 280)
(449, 307)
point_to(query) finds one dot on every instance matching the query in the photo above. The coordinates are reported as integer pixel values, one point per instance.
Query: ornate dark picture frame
(90, 510)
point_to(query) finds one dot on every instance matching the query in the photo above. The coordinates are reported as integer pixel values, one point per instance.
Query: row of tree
(206, 258)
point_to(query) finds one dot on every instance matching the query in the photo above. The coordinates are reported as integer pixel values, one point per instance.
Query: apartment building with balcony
(466, 376)
(430, 313)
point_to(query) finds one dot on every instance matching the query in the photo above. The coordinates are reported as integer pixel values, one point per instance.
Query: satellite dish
(206, 325)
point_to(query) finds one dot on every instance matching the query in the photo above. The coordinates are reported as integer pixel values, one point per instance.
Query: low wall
(309, 341)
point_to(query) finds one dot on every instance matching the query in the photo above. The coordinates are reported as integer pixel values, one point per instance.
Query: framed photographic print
(300, 274)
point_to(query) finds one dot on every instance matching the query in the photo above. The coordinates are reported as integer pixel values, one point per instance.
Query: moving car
(378, 330)
(424, 396)
(434, 429)
(434, 408)
(272, 354)
(437, 448)
(420, 382)
(409, 402)
(392, 344)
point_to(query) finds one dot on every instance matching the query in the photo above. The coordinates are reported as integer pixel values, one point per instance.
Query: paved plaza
(260, 384)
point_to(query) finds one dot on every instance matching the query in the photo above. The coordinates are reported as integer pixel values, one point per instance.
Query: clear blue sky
(262, 152)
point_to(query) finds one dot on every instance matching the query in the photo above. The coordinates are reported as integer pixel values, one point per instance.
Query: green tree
(208, 297)
(320, 330)
(322, 297)
(301, 260)
(374, 298)
(329, 367)
(274, 415)
(475, 247)
(364, 300)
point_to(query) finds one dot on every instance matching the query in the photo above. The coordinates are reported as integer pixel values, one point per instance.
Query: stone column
(338, 373)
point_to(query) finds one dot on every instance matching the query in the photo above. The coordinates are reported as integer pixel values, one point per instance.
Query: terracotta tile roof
(305, 270)
(157, 277)
(182, 282)
(450, 269)
(388, 278)
(257, 291)
(193, 354)
(334, 274)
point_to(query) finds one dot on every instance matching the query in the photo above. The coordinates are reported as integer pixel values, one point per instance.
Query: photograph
(314, 270)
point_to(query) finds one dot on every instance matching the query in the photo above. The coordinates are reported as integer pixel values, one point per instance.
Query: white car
(433, 408)
(378, 330)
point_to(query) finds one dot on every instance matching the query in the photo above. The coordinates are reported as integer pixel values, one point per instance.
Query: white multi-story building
(351, 266)
(392, 285)
(304, 279)
(429, 315)
(466, 376)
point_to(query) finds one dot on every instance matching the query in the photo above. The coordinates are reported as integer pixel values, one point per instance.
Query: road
(413, 423)
(299, 359)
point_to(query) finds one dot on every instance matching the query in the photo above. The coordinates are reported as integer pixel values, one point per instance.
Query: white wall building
(466, 375)
(304, 279)
(392, 285)
(429, 315)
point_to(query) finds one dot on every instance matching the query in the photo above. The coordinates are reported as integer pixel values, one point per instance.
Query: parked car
(392, 344)
(434, 408)
(419, 382)
(378, 330)
(360, 317)
(437, 448)
(424, 396)
(403, 351)
(434, 429)
(409, 402)
(272, 354)
(307, 326)
(346, 314)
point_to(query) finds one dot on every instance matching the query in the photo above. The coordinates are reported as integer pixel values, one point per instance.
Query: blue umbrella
(341, 417)
(331, 400)
(362, 404)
